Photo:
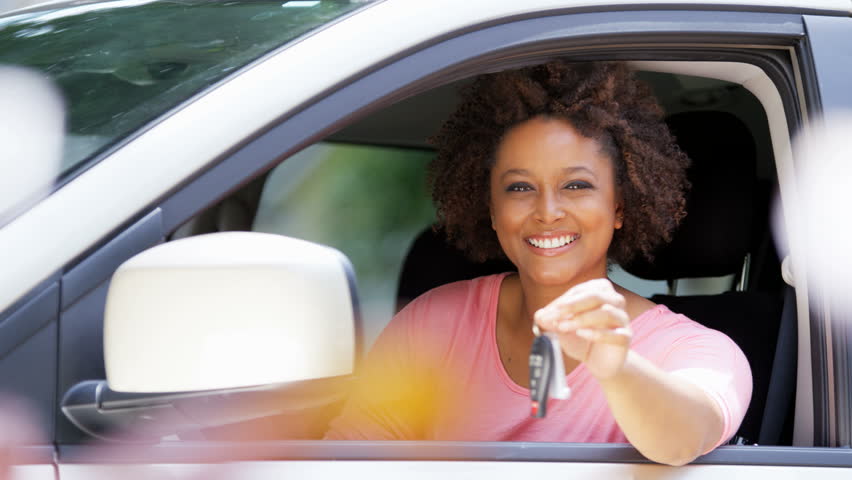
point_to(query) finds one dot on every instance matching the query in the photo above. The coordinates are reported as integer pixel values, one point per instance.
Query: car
(310, 118)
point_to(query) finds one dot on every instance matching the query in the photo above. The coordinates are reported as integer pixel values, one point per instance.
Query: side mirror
(219, 329)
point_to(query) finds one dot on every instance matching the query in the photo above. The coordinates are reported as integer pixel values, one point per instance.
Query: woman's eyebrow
(577, 169)
(567, 170)
(514, 171)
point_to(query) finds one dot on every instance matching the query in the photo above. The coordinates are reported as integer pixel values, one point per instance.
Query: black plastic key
(541, 368)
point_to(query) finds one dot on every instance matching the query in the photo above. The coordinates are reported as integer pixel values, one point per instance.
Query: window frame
(824, 53)
(491, 48)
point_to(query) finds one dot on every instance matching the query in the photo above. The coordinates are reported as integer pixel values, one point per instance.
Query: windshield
(121, 64)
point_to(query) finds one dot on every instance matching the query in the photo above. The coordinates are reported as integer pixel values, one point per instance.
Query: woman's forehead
(550, 145)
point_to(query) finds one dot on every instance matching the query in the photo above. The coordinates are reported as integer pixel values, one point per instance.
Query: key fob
(547, 373)
(541, 365)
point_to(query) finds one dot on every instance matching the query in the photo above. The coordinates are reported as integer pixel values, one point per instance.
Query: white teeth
(552, 242)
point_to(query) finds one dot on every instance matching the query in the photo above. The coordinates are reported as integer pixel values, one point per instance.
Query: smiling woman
(559, 168)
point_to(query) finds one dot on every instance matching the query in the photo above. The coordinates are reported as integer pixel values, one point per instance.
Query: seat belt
(782, 383)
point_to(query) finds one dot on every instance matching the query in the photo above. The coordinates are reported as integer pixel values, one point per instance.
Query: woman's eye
(578, 185)
(519, 187)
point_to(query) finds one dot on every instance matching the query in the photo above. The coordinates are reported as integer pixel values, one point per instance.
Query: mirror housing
(229, 310)
(217, 332)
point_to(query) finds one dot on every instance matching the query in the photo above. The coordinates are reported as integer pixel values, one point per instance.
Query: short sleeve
(714, 363)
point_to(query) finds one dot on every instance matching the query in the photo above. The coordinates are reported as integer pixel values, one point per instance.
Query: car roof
(824, 6)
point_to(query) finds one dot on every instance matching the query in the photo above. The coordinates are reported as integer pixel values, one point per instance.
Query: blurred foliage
(122, 64)
(368, 202)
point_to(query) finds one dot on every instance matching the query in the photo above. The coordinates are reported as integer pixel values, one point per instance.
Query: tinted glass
(121, 64)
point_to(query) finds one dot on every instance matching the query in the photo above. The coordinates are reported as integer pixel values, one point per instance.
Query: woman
(561, 168)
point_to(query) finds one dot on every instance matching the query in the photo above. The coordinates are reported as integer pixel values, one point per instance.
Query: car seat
(725, 228)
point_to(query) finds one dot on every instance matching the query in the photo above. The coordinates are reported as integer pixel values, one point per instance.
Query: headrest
(717, 232)
(432, 261)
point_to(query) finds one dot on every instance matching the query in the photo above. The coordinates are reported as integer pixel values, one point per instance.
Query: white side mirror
(229, 310)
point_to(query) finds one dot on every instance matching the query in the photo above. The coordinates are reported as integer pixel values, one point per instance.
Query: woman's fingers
(586, 296)
(618, 336)
(582, 301)
(592, 324)
(605, 316)
(573, 305)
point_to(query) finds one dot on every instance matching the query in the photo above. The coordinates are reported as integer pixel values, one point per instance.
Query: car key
(547, 373)
(541, 362)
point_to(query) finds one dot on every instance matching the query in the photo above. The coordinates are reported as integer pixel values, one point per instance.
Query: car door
(768, 47)
(119, 65)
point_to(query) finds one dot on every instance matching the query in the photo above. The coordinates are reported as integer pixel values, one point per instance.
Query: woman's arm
(666, 416)
(668, 419)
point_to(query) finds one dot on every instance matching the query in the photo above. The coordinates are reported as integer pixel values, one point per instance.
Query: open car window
(363, 191)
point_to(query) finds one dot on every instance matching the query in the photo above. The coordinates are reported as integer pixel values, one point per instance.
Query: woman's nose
(549, 209)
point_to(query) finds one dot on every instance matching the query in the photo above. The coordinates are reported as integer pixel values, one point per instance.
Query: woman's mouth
(547, 243)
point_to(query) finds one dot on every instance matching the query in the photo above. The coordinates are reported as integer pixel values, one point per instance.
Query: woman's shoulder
(432, 322)
(659, 318)
(463, 298)
(635, 304)
(460, 291)
(648, 317)
(662, 330)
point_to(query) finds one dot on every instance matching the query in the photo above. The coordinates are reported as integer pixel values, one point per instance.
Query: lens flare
(32, 125)
(813, 222)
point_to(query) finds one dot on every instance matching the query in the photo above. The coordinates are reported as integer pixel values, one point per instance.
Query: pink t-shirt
(435, 373)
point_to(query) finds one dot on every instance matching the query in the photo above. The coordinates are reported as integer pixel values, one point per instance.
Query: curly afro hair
(603, 101)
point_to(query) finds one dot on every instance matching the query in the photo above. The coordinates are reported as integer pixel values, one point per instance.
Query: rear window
(121, 64)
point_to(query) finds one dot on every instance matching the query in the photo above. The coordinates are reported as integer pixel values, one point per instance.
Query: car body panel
(450, 470)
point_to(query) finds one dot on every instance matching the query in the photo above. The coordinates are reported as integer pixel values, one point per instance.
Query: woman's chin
(560, 277)
(551, 278)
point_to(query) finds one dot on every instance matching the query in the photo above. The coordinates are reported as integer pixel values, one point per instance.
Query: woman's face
(554, 203)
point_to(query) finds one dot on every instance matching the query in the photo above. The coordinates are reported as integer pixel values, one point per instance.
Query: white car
(309, 119)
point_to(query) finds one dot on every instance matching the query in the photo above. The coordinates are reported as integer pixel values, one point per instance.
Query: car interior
(362, 190)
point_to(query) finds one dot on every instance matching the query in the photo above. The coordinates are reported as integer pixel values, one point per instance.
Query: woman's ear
(619, 216)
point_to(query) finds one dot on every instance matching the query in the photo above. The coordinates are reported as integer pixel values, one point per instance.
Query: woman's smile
(550, 244)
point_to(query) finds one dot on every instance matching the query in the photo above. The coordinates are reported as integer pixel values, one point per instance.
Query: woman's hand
(592, 325)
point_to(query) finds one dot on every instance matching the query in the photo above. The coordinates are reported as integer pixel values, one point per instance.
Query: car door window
(370, 202)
